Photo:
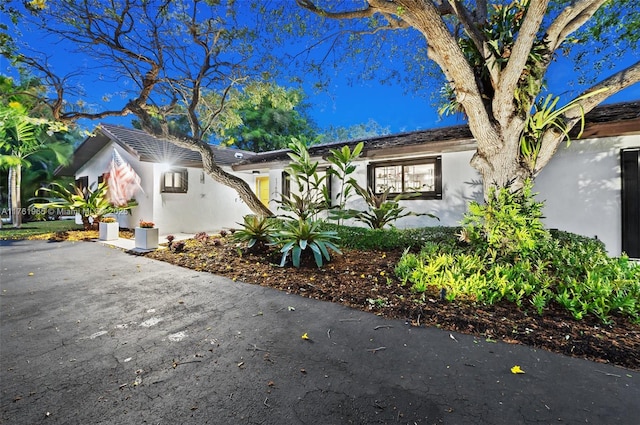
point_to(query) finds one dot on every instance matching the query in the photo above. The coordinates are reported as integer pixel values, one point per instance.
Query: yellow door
(262, 189)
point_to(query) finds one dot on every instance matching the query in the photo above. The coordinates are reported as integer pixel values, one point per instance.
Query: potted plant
(146, 235)
(108, 229)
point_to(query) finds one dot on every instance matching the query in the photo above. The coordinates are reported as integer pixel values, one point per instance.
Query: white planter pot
(146, 238)
(108, 231)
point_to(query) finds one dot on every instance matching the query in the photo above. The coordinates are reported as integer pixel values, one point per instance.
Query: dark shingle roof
(146, 148)
(439, 137)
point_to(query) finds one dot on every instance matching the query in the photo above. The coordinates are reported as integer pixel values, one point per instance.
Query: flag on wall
(122, 181)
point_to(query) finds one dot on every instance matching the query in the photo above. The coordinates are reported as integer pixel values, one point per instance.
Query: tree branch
(570, 20)
(615, 83)
(510, 76)
(471, 27)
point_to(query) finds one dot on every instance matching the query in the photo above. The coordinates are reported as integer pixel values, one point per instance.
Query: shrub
(572, 271)
(508, 226)
(91, 205)
(296, 237)
(389, 239)
(255, 231)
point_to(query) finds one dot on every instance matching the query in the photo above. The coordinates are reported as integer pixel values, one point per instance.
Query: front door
(262, 189)
(630, 162)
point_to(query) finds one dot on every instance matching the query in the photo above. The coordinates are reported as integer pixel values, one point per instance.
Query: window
(82, 183)
(421, 176)
(175, 181)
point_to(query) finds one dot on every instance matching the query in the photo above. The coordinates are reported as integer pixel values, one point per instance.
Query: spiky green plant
(298, 236)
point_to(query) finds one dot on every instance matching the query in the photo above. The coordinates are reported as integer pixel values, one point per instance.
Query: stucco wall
(207, 206)
(460, 183)
(581, 189)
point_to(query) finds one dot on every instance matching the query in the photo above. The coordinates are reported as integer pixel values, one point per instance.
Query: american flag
(122, 181)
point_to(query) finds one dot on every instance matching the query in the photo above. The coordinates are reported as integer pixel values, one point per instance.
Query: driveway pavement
(92, 335)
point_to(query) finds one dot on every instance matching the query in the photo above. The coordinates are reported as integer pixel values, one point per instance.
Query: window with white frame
(420, 176)
(174, 181)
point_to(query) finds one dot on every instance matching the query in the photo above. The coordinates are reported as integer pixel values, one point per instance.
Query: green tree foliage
(26, 133)
(156, 60)
(494, 56)
(263, 117)
(354, 132)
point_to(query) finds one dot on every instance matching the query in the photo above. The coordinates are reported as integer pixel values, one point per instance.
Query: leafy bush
(255, 231)
(509, 225)
(572, 271)
(300, 236)
(91, 205)
(505, 254)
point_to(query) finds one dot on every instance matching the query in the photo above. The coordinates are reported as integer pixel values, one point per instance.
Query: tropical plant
(342, 159)
(508, 225)
(255, 231)
(91, 206)
(382, 208)
(22, 135)
(308, 193)
(545, 115)
(304, 235)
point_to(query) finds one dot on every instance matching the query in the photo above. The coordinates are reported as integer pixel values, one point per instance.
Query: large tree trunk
(498, 163)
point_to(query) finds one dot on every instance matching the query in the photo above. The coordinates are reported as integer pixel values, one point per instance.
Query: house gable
(145, 148)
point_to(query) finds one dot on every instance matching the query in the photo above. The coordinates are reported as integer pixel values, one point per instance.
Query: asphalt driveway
(92, 335)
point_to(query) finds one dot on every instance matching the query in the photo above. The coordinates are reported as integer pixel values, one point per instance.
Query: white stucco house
(591, 188)
(176, 193)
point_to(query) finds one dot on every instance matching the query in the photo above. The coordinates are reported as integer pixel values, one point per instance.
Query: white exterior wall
(460, 183)
(581, 188)
(207, 206)
(99, 164)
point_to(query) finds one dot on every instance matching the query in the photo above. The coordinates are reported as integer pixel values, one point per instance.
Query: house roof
(145, 148)
(605, 120)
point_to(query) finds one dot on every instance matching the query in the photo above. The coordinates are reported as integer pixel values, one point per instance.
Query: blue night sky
(343, 105)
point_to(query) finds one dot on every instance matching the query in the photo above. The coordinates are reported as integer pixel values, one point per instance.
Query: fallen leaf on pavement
(516, 370)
